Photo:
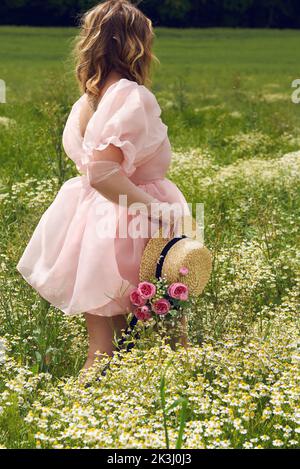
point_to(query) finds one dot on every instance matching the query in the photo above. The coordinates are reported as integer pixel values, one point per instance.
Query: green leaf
(162, 390)
(175, 404)
(182, 423)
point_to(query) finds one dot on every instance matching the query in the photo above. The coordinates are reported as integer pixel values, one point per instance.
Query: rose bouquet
(159, 300)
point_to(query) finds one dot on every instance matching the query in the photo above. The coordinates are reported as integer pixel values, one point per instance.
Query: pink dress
(65, 260)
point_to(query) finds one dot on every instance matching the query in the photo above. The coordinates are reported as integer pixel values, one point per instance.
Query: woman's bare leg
(183, 339)
(119, 324)
(101, 331)
(179, 334)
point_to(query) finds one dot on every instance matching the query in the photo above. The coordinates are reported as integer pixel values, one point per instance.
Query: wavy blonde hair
(115, 36)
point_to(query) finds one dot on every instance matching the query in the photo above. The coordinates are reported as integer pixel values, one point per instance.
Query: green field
(226, 98)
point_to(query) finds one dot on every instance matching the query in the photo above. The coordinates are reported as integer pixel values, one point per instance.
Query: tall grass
(225, 96)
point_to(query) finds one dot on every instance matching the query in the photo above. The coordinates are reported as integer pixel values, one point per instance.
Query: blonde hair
(115, 36)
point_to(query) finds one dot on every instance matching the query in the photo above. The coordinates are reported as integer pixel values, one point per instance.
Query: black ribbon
(159, 267)
(163, 254)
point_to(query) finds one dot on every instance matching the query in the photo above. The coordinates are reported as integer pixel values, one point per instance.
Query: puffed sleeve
(128, 117)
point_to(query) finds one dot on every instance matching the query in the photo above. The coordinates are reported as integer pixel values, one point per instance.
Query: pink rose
(147, 290)
(136, 298)
(183, 270)
(142, 313)
(179, 291)
(161, 306)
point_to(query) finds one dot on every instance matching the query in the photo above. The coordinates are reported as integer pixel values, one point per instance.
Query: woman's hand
(165, 214)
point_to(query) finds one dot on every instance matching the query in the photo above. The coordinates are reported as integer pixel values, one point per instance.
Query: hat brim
(158, 241)
(186, 253)
(196, 258)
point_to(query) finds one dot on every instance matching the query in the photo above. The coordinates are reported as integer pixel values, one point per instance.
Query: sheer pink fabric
(76, 258)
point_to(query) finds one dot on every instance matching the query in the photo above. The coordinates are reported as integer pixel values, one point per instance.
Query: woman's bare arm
(118, 183)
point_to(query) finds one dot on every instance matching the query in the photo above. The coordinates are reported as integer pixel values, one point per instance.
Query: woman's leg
(178, 334)
(183, 337)
(101, 331)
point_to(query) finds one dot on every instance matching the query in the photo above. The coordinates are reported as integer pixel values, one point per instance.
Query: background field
(226, 97)
(245, 70)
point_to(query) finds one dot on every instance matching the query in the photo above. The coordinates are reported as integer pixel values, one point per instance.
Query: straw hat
(165, 256)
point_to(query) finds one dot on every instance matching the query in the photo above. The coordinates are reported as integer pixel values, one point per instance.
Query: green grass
(198, 68)
(226, 97)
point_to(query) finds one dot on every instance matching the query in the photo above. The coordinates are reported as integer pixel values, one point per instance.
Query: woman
(120, 146)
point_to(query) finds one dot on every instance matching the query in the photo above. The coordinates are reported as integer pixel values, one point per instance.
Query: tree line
(173, 13)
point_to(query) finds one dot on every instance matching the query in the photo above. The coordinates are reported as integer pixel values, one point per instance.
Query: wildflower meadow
(226, 98)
